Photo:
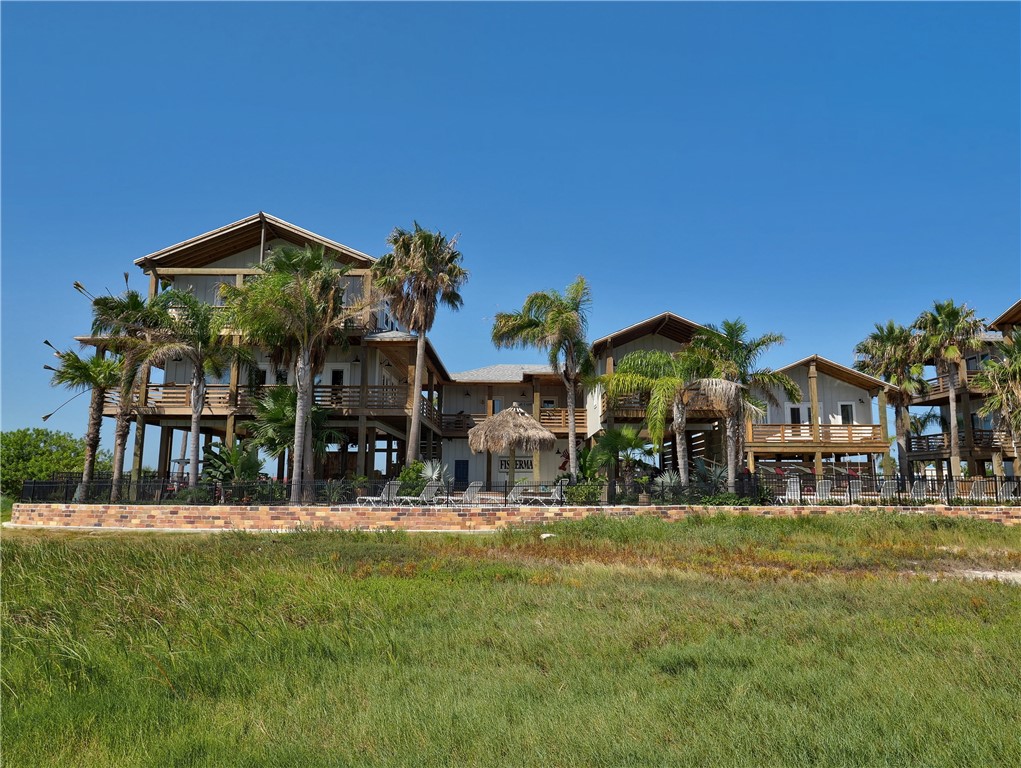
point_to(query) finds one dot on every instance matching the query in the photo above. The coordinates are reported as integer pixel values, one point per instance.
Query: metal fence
(759, 489)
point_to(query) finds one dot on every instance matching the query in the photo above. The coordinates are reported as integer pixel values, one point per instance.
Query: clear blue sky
(810, 167)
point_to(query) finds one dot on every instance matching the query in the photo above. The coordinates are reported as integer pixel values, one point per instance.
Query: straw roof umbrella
(512, 430)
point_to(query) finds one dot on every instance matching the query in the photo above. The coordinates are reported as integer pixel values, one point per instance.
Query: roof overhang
(666, 324)
(841, 373)
(247, 233)
(1009, 319)
(389, 340)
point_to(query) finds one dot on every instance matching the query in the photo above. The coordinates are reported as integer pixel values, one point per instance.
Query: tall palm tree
(125, 323)
(296, 309)
(889, 353)
(1000, 381)
(188, 329)
(557, 324)
(669, 382)
(79, 374)
(728, 350)
(421, 272)
(944, 334)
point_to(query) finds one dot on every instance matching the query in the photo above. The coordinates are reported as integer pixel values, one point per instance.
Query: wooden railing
(554, 419)
(635, 404)
(828, 433)
(983, 438)
(940, 385)
(177, 397)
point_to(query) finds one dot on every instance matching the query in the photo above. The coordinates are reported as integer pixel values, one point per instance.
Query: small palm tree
(275, 417)
(188, 330)
(421, 272)
(888, 353)
(1000, 381)
(297, 310)
(624, 447)
(557, 324)
(669, 382)
(944, 334)
(79, 374)
(125, 324)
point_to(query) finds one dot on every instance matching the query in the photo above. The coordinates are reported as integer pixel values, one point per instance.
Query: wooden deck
(833, 438)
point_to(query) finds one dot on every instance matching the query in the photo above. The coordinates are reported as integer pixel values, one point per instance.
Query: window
(549, 402)
(800, 413)
(497, 405)
(847, 413)
(460, 470)
(337, 377)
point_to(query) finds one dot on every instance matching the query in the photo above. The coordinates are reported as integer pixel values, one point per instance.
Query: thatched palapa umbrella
(512, 430)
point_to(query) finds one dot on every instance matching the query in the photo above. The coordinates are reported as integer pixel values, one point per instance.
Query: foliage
(273, 428)
(558, 325)
(222, 463)
(436, 470)
(748, 636)
(421, 272)
(586, 492)
(1000, 380)
(626, 446)
(709, 479)
(412, 479)
(36, 454)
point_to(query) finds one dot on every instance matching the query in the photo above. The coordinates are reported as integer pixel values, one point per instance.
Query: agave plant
(433, 469)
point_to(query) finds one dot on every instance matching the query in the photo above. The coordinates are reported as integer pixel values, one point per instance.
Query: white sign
(521, 464)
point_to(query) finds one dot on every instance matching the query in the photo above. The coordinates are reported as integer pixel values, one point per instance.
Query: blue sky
(810, 167)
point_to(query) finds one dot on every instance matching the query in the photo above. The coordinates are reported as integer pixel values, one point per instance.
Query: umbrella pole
(510, 469)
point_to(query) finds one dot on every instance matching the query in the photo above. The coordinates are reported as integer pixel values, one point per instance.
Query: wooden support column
(751, 461)
(998, 463)
(163, 462)
(536, 405)
(136, 456)
(370, 451)
(234, 384)
(390, 448)
(609, 369)
(489, 456)
(889, 465)
(813, 396)
(361, 467)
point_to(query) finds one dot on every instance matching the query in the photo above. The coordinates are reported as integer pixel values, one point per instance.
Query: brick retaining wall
(409, 518)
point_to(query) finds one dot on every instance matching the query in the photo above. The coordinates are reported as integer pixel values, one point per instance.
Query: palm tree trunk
(303, 381)
(121, 430)
(900, 428)
(572, 428)
(680, 420)
(955, 448)
(732, 437)
(415, 431)
(91, 441)
(198, 400)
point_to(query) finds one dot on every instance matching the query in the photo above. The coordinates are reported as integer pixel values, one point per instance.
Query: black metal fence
(758, 489)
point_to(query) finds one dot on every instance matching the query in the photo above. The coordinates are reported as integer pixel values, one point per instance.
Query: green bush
(412, 479)
(586, 492)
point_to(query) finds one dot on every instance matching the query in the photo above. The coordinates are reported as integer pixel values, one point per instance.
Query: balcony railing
(939, 386)
(844, 434)
(991, 439)
(554, 419)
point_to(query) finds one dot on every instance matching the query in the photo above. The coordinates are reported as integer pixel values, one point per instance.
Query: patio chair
(1008, 491)
(425, 497)
(824, 491)
(854, 491)
(980, 491)
(518, 492)
(920, 491)
(470, 495)
(557, 498)
(386, 496)
(888, 490)
(948, 492)
(793, 493)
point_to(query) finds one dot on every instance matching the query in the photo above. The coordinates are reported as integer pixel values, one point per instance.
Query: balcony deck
(937, 446)
(554, 419)
(938, 389)
(833, 438)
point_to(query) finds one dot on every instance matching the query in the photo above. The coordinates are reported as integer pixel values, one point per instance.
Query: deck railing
(983, 438)
(554, 419)
(828, 433)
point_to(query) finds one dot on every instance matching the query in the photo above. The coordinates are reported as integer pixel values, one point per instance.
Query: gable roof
(666, 324)
(242, 235)
(504, 373)
(1008, 319)
(840, 372)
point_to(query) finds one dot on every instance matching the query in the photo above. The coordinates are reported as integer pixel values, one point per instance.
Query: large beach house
(365, 386)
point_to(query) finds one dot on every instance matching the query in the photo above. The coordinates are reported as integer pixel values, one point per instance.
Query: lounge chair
(557, 498)
(920, 491)
(469, 497)
(980, 491)
(824, 491)
(425, 497)
(1008, 491)
(854, 492)
(793, 494)
(888, 490)
(518, 492)
(948, 492)
(386, 496)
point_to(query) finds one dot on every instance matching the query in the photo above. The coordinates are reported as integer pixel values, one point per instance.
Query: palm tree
(296, 308)
(888, 353)
(557, 324)
(275, 417)
(669, 382)
(624, 446)
(79, 374)
(1000, 381)
(124, 322)
(944, 334)
(734, 356)
(422, 271)
(188, 330)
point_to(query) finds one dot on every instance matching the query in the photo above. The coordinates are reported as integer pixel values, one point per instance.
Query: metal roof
(505, 373)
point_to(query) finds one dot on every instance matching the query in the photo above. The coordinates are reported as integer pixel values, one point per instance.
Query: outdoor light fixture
(357, 360)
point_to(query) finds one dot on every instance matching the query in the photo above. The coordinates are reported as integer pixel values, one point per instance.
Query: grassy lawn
(6, 505)
(825, 641)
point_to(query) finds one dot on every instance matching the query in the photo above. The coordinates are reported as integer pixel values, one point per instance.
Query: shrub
(586, 492)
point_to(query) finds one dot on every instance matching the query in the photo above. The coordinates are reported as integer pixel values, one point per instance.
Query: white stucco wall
(832, 392)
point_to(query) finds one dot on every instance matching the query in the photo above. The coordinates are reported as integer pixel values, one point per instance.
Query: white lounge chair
(793, 494)
(980, 491)
(1008, 491)
(824, 491)
(425, 497)
(518, 492)
(920, 492)
(386, 496)
(470, 495)
(557, 498)
(854, 492)
(888, 490)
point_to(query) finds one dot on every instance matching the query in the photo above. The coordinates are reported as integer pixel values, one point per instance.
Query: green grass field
(724, 641)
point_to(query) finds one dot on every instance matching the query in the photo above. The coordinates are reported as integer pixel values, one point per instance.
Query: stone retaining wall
(409, 518)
